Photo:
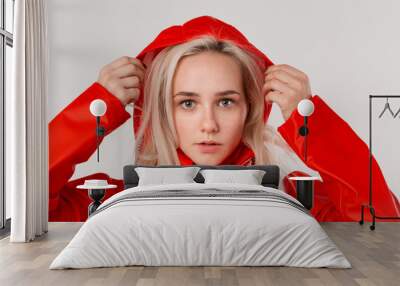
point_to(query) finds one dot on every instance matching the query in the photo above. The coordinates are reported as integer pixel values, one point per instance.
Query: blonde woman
(202, 95)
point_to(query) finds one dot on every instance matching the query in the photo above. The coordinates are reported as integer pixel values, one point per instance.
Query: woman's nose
(209, 123)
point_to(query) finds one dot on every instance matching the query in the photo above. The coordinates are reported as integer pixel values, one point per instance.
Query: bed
(201, 223)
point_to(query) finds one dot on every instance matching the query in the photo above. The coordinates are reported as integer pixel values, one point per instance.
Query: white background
(349, 49)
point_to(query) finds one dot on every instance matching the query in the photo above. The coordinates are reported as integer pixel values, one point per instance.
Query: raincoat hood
(195, 28)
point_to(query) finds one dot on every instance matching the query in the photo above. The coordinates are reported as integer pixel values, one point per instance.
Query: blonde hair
(156, 141)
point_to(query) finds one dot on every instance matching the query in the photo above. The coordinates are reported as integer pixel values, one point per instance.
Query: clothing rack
(370, 206)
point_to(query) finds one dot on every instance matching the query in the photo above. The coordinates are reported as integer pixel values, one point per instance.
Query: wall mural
(202, 95)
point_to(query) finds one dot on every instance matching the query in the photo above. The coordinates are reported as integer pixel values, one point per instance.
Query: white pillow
(249, 177)
(161, 176)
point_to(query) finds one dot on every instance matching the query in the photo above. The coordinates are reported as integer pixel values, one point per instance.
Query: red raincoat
(334, 149)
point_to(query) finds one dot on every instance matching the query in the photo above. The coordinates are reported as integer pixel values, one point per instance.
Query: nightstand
(305, 190)
(96, 191)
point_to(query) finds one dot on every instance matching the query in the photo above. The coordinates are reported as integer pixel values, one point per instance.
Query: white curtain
(26, 127)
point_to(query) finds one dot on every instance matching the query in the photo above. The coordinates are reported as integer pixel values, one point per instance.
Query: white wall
(349, 49)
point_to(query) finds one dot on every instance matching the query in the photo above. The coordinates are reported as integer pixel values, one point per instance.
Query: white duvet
(219, 231)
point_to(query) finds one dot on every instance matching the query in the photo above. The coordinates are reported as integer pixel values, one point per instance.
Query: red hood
(200, 26)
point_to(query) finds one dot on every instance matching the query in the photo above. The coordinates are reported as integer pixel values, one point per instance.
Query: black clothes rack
(370, 206)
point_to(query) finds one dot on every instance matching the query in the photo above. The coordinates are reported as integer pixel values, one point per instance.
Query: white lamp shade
(98, 107)
(305, 107)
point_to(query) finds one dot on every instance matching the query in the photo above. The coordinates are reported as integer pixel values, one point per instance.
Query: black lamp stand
(100, 131)
(303, 131)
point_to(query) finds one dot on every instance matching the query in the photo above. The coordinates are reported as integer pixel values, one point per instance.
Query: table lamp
(305, 108)
(305, 185)
(98, 108)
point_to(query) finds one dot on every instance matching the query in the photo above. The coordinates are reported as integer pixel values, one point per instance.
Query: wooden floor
(374, 255)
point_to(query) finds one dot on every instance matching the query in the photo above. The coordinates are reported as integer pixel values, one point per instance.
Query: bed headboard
(270, 179)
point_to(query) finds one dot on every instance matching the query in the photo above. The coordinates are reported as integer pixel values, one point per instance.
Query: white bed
(252, 225)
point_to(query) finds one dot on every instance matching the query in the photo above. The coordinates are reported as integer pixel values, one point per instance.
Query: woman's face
(209, 105)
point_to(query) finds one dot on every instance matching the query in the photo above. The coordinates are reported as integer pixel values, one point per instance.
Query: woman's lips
(208, 148)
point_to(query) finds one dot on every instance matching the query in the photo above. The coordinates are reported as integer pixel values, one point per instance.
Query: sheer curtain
(26, 128)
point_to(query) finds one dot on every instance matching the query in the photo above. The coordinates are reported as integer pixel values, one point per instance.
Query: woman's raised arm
(342, 159)
(72, 135)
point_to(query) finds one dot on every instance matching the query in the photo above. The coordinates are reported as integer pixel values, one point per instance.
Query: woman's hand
(285, 86)
(123, 78)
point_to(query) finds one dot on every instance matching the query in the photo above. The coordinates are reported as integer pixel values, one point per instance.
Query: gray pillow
(248, 177)
(161, 176)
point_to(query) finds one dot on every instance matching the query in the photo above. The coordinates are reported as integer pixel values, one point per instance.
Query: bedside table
(96, 191)
(305, 190)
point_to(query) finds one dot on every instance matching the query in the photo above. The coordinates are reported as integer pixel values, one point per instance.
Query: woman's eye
(187, 104)
(226, 102)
